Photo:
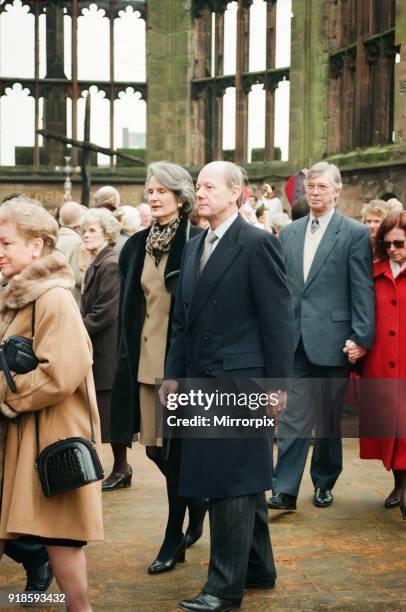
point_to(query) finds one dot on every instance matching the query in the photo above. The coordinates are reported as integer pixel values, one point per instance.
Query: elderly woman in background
(130, 222)
(99, 307)
(373, 213)
(106, 197)
(395, 206)
(59, 390)
(383, 401)
(279, 220)
(70, 241)
(149, 266)
(145, 212)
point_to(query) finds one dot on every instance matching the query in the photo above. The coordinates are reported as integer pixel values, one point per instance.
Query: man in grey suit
(329, 261)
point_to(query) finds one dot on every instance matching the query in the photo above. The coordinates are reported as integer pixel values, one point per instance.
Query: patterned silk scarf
(160, 238)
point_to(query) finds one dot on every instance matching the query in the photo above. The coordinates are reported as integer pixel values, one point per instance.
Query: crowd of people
(208, 281)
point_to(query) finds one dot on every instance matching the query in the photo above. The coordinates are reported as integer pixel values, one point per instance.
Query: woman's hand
(8, 412)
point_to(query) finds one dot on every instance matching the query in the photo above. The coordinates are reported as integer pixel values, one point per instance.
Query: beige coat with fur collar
(56, 388)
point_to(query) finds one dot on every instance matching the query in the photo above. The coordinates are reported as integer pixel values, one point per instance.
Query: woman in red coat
(383, 406)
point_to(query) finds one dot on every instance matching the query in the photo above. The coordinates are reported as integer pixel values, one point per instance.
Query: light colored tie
(207, 249)
(314, 226)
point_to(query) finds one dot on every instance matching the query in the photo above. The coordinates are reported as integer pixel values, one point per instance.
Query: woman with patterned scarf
(149, 265)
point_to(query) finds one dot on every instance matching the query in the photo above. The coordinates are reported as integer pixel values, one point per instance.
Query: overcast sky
(17, 59)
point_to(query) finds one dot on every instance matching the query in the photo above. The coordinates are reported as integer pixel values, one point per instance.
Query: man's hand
(354, 351)
(167, 387)
(282, 397)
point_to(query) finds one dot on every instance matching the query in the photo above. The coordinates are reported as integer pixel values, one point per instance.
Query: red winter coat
(383, 400)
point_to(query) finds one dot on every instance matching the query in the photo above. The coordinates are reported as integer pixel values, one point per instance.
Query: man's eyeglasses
(320, 188)
(398, 244)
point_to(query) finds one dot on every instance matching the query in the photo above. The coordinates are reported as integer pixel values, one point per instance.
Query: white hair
(106, 220)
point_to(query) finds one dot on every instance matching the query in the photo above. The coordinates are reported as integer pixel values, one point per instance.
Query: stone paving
(351, 556)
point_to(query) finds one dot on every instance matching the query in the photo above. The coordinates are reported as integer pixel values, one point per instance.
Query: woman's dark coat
(99, 309)
(125, 409)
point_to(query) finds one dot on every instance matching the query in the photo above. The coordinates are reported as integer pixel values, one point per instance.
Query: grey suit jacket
(337, 301)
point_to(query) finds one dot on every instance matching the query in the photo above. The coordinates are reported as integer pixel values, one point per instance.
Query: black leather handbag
(17, 355)
(69, 463)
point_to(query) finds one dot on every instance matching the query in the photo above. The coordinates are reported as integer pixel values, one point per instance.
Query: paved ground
(351, 556)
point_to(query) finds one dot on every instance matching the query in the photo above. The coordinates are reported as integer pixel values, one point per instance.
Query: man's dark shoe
(260, 584)
(205, 602)
(38, 578)
(322, 498)
(281, 501)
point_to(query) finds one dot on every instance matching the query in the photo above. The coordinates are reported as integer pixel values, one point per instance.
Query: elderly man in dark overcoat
(233, 319)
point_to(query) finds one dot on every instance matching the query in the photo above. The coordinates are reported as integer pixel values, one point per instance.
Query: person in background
(252, 196)
(395, 206)
(272, 203)
(99, 305)
(196, 220)
(106, 197)
(130, 222)
(373, 213)
(149, 267)
(279, 220)
(247, 213)
(383, 402)
(146, 215)
(300, 208)
(70, 241)
(59, 390)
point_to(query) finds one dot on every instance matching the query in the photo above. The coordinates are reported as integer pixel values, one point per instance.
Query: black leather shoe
(158, 567)
(323, 498)
(116, 480)
(38, 578)
(281, 501)
(205, 602)
(393, 499)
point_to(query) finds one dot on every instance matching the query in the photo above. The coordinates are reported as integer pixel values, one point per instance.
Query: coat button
(208, 370)
(145, 338)
(124, 355)
(393, 302)
(392, 364)
(214, 304)
(392, 333)
(147, 316)
(206, 337)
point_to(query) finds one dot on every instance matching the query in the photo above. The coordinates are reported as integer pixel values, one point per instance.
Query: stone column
(169, 73)
(308, 83)
(55, 102)
(400, 75)
(241, 96)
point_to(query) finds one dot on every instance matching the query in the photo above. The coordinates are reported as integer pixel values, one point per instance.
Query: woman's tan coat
(56, 388)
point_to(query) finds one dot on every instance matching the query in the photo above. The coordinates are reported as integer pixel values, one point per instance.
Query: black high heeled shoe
(403, 504)
(178, 556)
(120, 479)
(393, 499)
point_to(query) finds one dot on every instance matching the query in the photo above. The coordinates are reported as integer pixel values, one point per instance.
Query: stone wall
(51, 194)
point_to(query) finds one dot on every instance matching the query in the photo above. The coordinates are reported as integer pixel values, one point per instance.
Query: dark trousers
(240, 545)
(315, 400)
(30, 554)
